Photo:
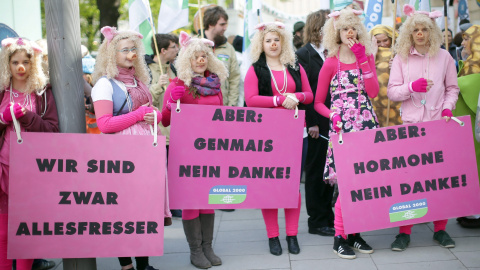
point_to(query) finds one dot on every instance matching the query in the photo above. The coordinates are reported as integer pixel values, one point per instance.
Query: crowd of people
(346, 79)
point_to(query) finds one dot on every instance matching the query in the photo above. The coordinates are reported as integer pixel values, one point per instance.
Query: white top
(103, 89)
(320, 51)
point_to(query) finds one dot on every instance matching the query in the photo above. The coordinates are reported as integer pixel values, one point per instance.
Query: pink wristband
(368, 75)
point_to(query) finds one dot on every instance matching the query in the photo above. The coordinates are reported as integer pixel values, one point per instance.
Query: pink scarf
(140, 94)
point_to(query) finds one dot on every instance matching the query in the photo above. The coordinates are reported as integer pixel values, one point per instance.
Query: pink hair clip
(186, 39)
(20, 42)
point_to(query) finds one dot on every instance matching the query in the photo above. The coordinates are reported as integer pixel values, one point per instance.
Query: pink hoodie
(443, 94)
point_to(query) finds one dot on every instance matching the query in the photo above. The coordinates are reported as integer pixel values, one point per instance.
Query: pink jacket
(443, 94)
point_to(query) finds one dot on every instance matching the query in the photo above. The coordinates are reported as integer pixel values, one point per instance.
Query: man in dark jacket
(318, 194)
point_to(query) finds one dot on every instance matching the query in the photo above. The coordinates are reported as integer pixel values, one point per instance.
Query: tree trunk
(108, 13)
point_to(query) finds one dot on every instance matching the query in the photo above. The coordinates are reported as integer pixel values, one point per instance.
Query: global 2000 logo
(408, 210)
(227, 194)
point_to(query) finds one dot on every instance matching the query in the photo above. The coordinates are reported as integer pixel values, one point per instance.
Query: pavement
(241, 242)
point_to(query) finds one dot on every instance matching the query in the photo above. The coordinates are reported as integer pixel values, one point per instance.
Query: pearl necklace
(424, 100)
(27, 101)
(284, 88)
(132, 86)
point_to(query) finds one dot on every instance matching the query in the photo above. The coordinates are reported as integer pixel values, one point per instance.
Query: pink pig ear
(280, 25)
(208, 42)
(109, 32)
(260, 26)
(184, 38)
(357, 12)
(334, 14)
(435, 14)
(36, 48)
(7, 42)
(408, 10)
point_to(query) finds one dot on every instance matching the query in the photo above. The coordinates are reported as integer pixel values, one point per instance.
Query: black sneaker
(357, 242)
(341, 248)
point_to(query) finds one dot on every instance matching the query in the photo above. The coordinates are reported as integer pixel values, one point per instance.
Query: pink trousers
(292, 215)
(6, 264)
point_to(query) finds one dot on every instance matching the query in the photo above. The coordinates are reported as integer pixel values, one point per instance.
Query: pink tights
(292, 215)
(189, 214)
(6, 264)
(438, 225)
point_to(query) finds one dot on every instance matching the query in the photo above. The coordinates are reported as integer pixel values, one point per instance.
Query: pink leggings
(292, 215)
(6, 264)
(189, 214)
(439, 225)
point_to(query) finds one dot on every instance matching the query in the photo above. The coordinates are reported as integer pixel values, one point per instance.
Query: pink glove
(420, 85)
(359, 51)
(175, 95)
(111, 124)
(335, 120)
(447, 113)
(17, 110)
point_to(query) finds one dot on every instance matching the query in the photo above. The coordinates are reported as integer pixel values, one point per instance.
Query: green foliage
(89, 22)
(90, 17)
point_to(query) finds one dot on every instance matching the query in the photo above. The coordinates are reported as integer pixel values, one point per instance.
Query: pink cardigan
(443, 94)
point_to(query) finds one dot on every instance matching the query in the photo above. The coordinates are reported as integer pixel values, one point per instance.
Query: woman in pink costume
(23, 87)
(276, 80)
(199, 76)
(350, 76)
(122, 101)
(423, 77)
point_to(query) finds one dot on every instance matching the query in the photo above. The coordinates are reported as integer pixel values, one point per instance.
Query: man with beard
(215, 21)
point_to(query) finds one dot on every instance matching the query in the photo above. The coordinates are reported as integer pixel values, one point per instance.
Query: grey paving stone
(441, 265)
(254, 262)
(241, 236)
(337, 264)
(468, 258)
(466, 244)
(319, 253)
(414, 254)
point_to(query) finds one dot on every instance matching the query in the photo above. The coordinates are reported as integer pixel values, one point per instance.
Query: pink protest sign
(227, 157)
(406, 174)
(83, 195)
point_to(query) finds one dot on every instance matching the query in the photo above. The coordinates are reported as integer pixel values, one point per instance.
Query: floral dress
(351, 102)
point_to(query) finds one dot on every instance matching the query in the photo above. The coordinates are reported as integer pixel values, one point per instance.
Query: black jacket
(311, 61)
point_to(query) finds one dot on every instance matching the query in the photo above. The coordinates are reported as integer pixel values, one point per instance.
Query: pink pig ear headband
(410, 11)
(336, 14)
(185, 39)
(262, 26)
(6, 43)
(110, 32)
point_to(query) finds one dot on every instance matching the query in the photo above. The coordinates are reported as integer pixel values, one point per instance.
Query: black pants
(142, 262)
(318, 194)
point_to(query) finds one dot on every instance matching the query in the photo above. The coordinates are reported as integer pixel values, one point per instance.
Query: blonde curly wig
(331, 32)
(287, 56)
(187, 53)
(106, 62)
(405, 40)
(36, 81)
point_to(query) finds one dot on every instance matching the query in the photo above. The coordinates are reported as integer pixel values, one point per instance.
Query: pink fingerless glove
(359, 51)
(447, 113)
(335, 120)
(111, 124)
(175, 95)
(17, 110)
(420, 85)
